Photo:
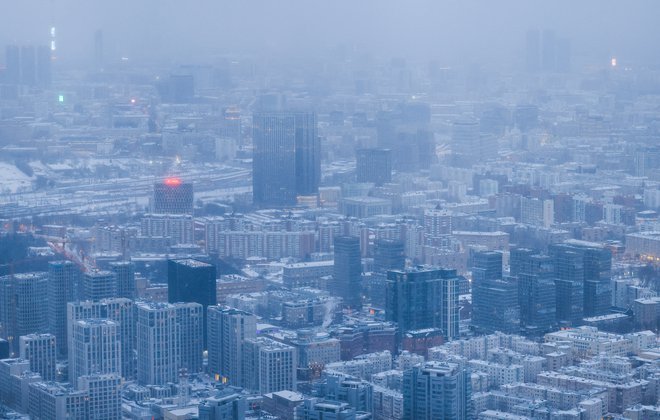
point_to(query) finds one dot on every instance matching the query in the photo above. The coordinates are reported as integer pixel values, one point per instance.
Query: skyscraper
(172, 196)
(346, 277)
(125, 278)
(270, 366)
(374, 165)
(466, 140)
(95, 348)
(99, 284)
(119, 310)
(437, 391)
(22, 298)
(103, 396)
(157, 343)
(587, 266)
(536, 290)
(287, 157)
(228, 328)
(423, 297)
(40, 350)
(494, 297)
(190, 320)
(191, 280)
(389, 254)
(63, 277)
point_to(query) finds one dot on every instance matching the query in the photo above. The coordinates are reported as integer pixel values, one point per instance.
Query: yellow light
(613, 61)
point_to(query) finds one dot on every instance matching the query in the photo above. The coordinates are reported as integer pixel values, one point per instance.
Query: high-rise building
(125, 277)
(63, 278)
(270, 365)
(423, 297)
(346, 277)
(103, 396)
(99, 284)
(191, 280)
(157, 343)
(466, 140)
(40, 350)
(172, 196)
(494, 297)
(22, 298)
(190, 320)
(536, 290)
(389, 254)
(13, 64)
(53, 400)
(592, 270)
(119, 310)
(317, 409)
(437, 390)
(374, 165)
(228, 328)
(95, 348)
(287, 158)
(533, 50)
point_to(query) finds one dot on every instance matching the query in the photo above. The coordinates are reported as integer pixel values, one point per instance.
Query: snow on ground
(12, 180)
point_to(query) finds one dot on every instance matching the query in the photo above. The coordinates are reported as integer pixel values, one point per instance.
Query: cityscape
(300, 210)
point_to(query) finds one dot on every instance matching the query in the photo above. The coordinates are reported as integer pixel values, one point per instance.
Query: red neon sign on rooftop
(172, 182)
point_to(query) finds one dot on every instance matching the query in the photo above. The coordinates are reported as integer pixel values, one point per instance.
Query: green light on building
(60, 98)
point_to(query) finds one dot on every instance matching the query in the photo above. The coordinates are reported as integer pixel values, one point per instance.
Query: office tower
(590, 268)
(346, 277)
(536, 290)
(231, 124)
(406, 132)
(228, 328)
(286, 158)
(173, 196)
(119, 310)
(191, 280)
(63, 277)
(389, 254)
(8, 368)
(270, 365)
(22, 298)
(103, 396)
(28, 65)
(374, 165)
(99, 284)
(190, 320)
(125, 278)
(548, 50)
(466, 141)
(40, 350)
(423, 297)
(157, 340)
(13, 64)
(437, 390)
(95, 348)
(43, 66)
(494, 298)
(533, 50)
(224, 405)
(526, 117)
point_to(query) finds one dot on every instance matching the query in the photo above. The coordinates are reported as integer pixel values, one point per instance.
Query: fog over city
(329, 210)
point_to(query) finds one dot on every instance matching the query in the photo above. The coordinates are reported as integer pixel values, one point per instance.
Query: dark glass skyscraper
(389, 254)
(536, 290)
(591, 268)
(191, 280)
(286, 159)
(494, 297)
(347, 271)
(373, 165)
(172, 196)
(423, 297)
(125, 273)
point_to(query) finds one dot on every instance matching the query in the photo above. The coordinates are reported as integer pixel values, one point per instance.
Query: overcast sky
(448, 31)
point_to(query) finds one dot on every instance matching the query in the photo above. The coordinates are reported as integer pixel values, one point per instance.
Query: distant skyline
(450, 32)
